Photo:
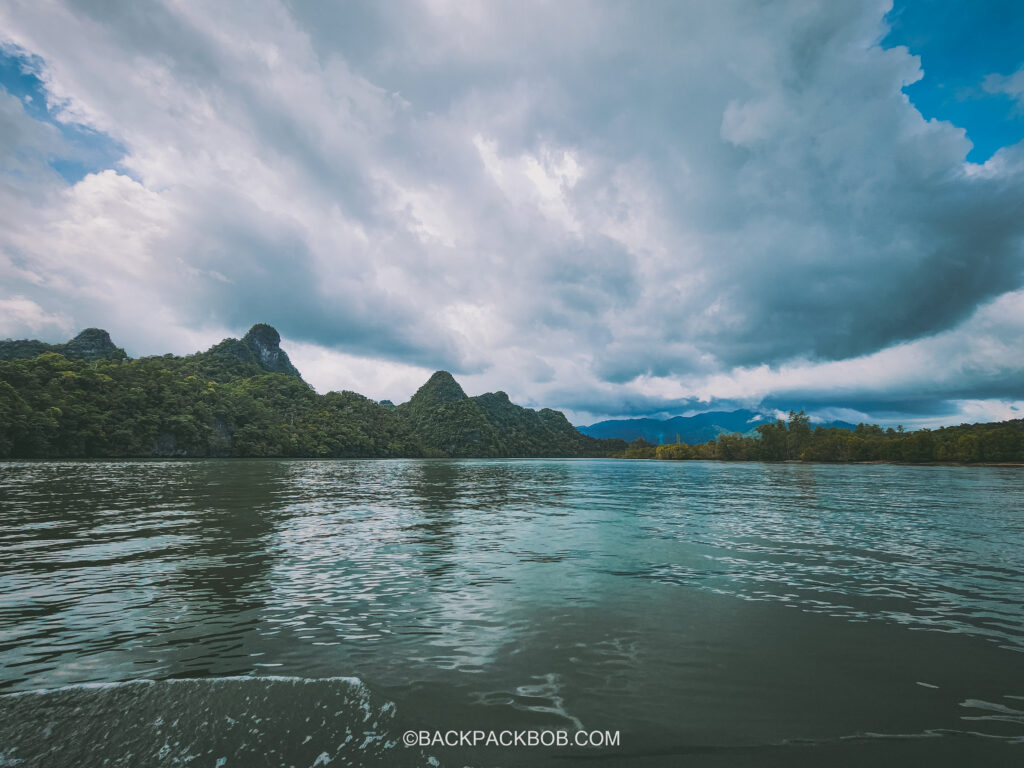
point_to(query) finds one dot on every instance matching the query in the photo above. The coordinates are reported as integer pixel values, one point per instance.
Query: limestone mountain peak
(93, 344)
(265, 343)
(440, 388)
(90, 344)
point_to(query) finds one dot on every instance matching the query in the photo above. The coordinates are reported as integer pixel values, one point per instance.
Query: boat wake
(213, 722)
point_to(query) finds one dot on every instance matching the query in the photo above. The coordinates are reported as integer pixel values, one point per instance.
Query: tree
(799, 436)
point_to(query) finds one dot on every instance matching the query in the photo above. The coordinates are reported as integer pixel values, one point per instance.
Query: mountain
(259, 351)
(90, 344)
(264, 342)
(687, 429)
(243, 397)
(451, 423)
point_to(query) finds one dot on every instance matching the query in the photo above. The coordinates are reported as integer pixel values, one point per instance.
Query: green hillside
(243, 397)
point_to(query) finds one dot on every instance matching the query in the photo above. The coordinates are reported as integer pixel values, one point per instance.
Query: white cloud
(595, 207)
(985, 350)
(19, 315)
(1011, 85)
(328, 370)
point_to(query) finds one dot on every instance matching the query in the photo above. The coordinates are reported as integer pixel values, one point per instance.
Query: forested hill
(451, 424)
(90, 344)
(243, 397)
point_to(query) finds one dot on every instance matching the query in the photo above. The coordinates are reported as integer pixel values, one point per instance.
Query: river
(309, 613)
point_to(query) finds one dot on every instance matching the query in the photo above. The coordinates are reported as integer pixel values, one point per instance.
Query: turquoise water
(710, 613)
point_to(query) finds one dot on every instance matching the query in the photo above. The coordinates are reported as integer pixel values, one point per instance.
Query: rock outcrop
(93, 344)
(261, 346)
(265, 343)
(90, 344)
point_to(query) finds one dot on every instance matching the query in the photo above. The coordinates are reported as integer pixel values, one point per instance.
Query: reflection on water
(695, 607)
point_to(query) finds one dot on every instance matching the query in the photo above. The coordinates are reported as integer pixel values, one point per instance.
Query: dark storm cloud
(605, 208)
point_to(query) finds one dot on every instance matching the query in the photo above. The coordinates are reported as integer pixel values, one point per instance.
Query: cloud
(594, 207)
(377, 379)
(977, 359)
(1010, 85)
(18, 312)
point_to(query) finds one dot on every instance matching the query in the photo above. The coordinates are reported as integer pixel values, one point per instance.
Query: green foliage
(243, 398)
(640, 449)
(795, 440)
(452, 424)
(90, 344)
(675, 451)
(204, 405)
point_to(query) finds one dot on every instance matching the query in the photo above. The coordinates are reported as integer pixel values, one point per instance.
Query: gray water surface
(712, 614)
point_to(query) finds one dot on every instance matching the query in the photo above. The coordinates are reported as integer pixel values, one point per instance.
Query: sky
(612, 209)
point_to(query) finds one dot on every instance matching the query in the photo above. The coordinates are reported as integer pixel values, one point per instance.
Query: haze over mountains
(694, 430)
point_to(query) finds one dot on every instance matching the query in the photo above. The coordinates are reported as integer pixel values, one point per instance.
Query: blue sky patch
(87, 151)
(960, 44)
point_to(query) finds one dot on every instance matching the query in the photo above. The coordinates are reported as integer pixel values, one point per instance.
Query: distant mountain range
(693, 430)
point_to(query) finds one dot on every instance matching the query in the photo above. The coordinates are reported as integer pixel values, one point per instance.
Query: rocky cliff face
(90, 344)
(260, 347)
(93, 344)
(265, 343)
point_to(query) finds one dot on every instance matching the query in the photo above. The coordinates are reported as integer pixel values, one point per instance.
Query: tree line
(243, 398)
(797, 440)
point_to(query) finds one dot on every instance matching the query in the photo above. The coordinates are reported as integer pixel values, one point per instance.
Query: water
(308, 613)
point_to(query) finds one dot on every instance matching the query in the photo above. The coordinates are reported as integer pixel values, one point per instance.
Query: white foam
(353, 681)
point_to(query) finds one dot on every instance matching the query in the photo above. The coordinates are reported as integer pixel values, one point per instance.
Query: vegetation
(243, 397)
(90, 344)
(796, 440)
(451, 424)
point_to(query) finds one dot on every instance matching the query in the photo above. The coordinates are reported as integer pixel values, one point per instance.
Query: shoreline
(875, 462)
